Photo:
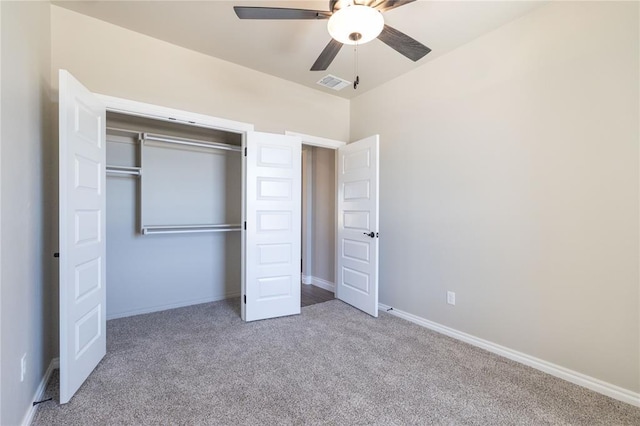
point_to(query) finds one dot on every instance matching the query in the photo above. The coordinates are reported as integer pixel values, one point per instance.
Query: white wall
(118, 62)
(134, 66)
(25, 246)
(509, 174)
(511, 154)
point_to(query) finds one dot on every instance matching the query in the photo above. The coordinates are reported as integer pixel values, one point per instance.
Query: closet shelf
(116, 131)
(189, 229)
(190, 142)
(124, 170)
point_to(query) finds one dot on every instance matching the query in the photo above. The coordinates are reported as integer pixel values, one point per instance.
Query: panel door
(82, 234)
(357, 233)
(271, 284)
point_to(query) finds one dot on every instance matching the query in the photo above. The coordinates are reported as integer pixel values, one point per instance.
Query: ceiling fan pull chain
(356, 81)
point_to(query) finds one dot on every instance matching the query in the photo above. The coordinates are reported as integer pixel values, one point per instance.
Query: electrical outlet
(451, 298)
(23, 367)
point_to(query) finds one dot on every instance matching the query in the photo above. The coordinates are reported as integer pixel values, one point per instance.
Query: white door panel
(82, 234)
(357, 251)
(273, 220)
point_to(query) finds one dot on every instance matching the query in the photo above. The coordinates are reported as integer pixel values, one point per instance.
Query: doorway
(318, 224)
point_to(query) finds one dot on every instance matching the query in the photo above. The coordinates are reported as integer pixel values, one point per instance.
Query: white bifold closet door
(82, 234)
(271, 279)
(357, 233)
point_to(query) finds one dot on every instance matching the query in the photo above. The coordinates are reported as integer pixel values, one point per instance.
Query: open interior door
(82, 234)
(357, 239)
(271, 276)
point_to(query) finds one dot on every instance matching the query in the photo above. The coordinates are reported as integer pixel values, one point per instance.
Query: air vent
(333, 82)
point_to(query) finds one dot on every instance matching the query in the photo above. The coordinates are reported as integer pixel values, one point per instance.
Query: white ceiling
(287, 49)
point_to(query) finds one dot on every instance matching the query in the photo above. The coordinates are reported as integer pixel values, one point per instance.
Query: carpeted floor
(202, 365)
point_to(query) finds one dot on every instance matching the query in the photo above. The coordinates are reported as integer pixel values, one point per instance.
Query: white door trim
(141, 109)
(317, 141)
(321, 142)
(307, 233)
(172, 115)
(556, 370)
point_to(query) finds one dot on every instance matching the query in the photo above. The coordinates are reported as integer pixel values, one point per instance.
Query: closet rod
(123, 170)
(188, 229)
(190, 142)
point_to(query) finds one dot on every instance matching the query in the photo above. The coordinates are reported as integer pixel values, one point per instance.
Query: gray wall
(318, 236)
(182, 186)
(324, 213)
(509, 174)
(306, 251)
(25, 247)
(514, 159)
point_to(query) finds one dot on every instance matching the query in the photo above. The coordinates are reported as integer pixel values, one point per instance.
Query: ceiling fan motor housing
(351, 22)
(355, 24)
(335, 5)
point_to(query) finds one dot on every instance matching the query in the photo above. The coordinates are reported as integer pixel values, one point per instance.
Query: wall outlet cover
(451, 298)
(23, 367)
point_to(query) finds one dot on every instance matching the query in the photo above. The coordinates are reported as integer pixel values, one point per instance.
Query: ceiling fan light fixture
(355, 24)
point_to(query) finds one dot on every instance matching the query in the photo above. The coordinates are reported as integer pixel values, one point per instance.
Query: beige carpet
(202, 365)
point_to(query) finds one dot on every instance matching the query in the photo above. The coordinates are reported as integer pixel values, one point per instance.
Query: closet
(173, 213)
(161, 208)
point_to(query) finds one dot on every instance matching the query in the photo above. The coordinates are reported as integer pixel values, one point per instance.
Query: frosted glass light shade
(356, 19)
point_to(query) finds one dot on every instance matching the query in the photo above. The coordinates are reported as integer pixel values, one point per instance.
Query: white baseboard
(319, 282)
(182, 304)
(28, 417)
(306, 279)
(597, 385)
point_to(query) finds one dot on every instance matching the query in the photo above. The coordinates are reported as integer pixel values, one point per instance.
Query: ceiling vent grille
(332, 82)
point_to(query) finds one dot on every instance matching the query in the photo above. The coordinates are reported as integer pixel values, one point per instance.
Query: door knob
(370, 234)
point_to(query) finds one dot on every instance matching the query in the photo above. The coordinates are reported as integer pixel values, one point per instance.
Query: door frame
(171, 115)
(157, 112)
(307, 216)
(333, 144)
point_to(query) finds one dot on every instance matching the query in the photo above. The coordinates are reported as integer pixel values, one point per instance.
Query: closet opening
(318, 225)
(173, 215)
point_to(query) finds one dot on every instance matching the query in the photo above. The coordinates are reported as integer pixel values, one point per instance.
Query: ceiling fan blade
(327, 56)
(402, 43)
(384, 5)
(279, 13)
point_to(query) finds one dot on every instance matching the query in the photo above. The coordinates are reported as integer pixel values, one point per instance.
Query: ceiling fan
(350, 22)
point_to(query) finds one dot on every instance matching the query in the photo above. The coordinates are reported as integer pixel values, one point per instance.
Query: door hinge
(245, 225)
(245, 151)
(245, 299)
